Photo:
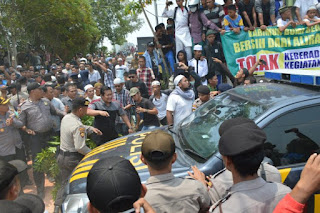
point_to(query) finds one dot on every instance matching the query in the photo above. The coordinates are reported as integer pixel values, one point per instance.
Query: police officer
(241, 147)
(36, 118)
(204, 96)
(166, 193)
(73, 142)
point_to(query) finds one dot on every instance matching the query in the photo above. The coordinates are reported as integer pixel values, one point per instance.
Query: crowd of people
(126, 96)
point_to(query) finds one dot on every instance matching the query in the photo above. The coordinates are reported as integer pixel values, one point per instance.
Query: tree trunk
(14, 51)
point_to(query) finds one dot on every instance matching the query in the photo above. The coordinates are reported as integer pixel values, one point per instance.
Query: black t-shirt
(148, 119)
(164, 40)
(248, 9)
(140, 85)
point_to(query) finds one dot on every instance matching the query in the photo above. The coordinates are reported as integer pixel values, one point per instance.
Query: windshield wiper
(194, 153)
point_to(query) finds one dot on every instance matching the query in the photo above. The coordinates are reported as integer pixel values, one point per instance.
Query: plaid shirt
(124, 99)
(146, 75)
(108, 79)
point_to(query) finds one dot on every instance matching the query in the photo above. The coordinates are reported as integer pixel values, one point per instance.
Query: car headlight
(75, 203)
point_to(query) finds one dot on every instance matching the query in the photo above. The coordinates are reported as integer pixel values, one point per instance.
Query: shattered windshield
(200, 129)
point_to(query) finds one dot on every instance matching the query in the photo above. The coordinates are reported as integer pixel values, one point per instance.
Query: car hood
(128, 147)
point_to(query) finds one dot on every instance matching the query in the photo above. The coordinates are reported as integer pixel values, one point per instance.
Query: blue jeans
(170, 59)
(148, 127)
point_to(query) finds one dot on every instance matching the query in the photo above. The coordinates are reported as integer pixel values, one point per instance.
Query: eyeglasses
(131, 76)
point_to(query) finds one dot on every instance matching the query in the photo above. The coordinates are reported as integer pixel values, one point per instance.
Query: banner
(297, 48)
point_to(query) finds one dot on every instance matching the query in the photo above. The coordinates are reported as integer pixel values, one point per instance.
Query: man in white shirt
(120, 69)
(180, 101)
(159, 99)
(302, 8)
(182, 32)
(200, 65)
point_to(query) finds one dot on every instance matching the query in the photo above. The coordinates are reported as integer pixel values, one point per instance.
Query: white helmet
(194, 5)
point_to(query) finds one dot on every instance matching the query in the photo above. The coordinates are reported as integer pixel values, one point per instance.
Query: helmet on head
(194, 5)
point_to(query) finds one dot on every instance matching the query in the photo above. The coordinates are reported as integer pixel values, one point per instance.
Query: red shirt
(289, 205)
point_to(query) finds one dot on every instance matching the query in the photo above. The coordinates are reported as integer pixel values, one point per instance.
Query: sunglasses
(131, 76)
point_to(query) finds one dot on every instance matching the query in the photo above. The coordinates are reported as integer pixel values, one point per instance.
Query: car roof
(272, 94)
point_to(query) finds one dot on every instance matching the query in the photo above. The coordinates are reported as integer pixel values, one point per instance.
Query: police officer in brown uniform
(36, 118)
(73, 142)
(167, 193)
(241, 147)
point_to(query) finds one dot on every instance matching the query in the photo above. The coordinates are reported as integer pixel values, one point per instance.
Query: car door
(292, 136)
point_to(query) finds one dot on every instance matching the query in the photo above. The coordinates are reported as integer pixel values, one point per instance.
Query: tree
(113, 21)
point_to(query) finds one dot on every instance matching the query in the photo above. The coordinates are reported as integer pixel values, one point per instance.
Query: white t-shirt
(307, 20)
(161, 105)
(281, 23)
(94, 76)
(120, 70)
(180, 107)
(304, 6)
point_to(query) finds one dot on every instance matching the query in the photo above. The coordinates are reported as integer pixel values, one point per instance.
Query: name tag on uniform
(215, 50)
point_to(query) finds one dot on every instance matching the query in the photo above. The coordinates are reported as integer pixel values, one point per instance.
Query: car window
(293, 137)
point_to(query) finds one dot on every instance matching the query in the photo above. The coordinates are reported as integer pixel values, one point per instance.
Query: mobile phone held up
(263, 62)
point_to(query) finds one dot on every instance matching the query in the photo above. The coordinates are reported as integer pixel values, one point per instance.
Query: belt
(66, 153)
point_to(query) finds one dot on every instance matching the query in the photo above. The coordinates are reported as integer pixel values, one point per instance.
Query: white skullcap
(83, 59)
(19, 66)
(87, 87)
(119, 59)
(197, 47)
(178, 79)
(53, 79)
(155, 83)
(117, 81)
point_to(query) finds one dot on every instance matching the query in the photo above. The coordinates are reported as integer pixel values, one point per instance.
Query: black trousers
(67, 163)
(38, 142)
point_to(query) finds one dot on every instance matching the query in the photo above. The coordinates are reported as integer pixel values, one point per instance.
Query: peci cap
(113, 185)
(177, 79)
(158, 145)
(155, 83)
(210, 32)
(32, 86)
(80, 101)
(197, 47)
(283, 9)
(203, 90)
(4, 101)
(240, 139)
(133, 91)
(117, 81)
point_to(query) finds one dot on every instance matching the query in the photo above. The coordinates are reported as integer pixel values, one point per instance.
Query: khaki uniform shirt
(37, 115)
(167, 193)
(222, 181)
(73, 134)
(254, 196)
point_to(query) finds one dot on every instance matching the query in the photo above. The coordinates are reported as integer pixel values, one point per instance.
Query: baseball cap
(155, 83)
(32, 86)
(80, 101)
(177, 79)
(241, 139)
(150, 44)
(158, 145)
(113, 184)
(4, 101)
(209, 32)
(133, 91)
(26, 203)
(132, 72)
(197, 47)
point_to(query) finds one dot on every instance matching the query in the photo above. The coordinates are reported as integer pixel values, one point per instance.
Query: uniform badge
(82, 132)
